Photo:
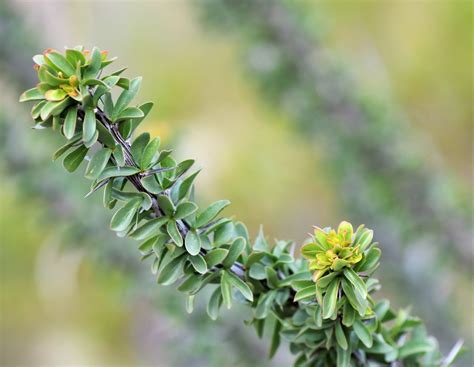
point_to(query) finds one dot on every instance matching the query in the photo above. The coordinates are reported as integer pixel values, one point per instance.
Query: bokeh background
(300, 113)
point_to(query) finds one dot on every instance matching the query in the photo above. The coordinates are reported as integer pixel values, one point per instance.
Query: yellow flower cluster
(59, 75)
(331, 250)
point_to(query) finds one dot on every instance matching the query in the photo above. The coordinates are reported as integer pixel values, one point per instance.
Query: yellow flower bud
(73, 81)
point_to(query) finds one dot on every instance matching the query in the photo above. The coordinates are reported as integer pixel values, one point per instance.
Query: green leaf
(414, 347)
(381, 309)
(275, 339)
(123, 83)
(61, 63)
(340, 336)
(117, 172)
(259, 327)
(130, 113)
(380, 346)
(185, 209)
(359, 304)
(305, 293)
(58, 153)
(106, 84)
(236, 248)
(108, 104)
(238, 283)
(166, 205)
(264, 304)
(344, 358)
(46, 110)
(147, 246)
(186, 185)
(127, 195)
(56, 123)
(118, 154)
(339, 264)
(55, 95)
(364, 240)
(198, 263)
(272, 278)
(105, 137)
(89, 128)
(214, 225)
(69, 127)
(93, 82)
(183, 166)
(162, 158)
(214, 304)
(370, 261)
(54, 108)
(303, 275)
(87, 100)
(254, 257)
(146, 108)
(261, 243)
(348, 315)
(362, 333)
(138, 146)
(147, 201)
(151, 184)
(126, 97)
(171, 271)
(215, 256)
(191, 284)
(300, 284)
(226, 290)
(149, 229)
(224, 234)
(173, 231)
(98, 163)
(124, 216)
(310, 250)
(32, 94)
(210, 212)
(93, 140)
(107, 199)
(357, 282)
(36, 110)
(93, 68)
(46, 77)
(150, 153)
(192, 242)
(75, 158)
(257, 271)
(75, 56)
(159, 247)
(330, 299)
(327, 279)
(120, 71)
(345, 231)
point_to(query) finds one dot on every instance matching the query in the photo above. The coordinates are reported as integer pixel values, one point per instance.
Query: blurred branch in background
(377, 161)
(153, 332)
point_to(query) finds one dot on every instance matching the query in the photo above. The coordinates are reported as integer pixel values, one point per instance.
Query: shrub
(322, 303)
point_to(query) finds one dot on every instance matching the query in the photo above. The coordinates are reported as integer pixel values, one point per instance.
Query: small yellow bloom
(331, 250)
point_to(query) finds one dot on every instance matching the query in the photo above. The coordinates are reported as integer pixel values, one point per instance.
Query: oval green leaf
(97, 163)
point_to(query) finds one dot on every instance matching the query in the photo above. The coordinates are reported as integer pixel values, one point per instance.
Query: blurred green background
(301, 113)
